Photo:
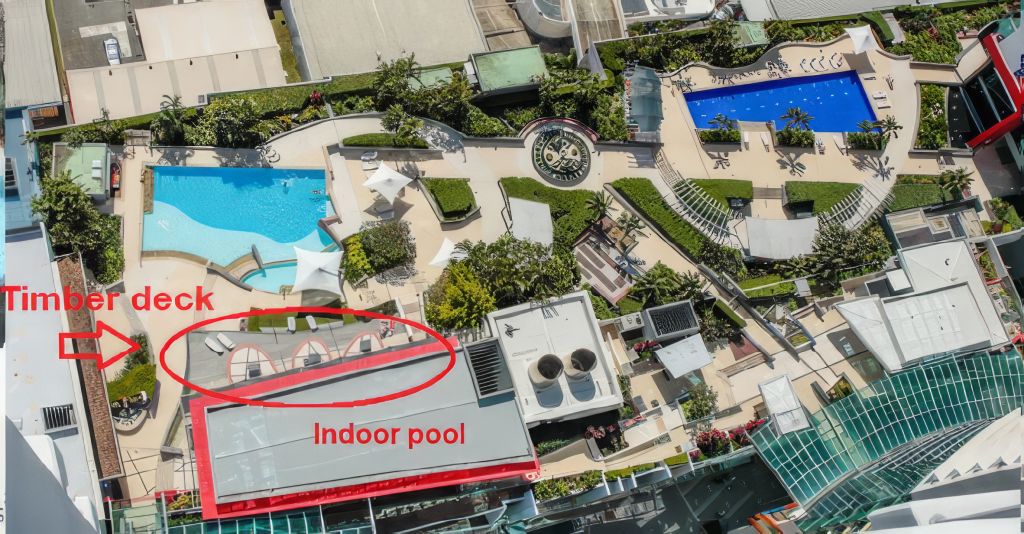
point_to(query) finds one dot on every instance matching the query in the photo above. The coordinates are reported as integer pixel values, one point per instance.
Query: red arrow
(100, 362)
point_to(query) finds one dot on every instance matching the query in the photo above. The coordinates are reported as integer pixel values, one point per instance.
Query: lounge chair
(840, 145)
(291, 325)
(879, 95)
(821, 146)
(252, 370)
(225, 341)
(214, 346)
(764, 139)
(312, 323)
(882, 104)
(313, 359)
(746, 140)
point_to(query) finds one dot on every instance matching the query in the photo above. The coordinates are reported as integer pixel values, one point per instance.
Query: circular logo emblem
(561, 157)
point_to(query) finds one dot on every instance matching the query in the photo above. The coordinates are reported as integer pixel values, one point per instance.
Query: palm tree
(721, 121)
(599, 204)
(866, 125)
(888, 126)
(956, 180)
(169, 123)
(407, 132)
(797, 117)
(659, 285)
(631, 223)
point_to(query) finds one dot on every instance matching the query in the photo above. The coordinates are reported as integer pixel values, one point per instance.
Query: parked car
(113, 51)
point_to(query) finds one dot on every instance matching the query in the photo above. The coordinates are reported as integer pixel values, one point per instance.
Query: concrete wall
(541, 25)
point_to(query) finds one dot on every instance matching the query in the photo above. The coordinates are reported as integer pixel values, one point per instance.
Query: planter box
(726, 143)
(437, 209)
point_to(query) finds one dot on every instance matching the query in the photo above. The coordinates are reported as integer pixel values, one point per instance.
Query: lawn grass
(722, 190)
(281, 321)
(381, 140)
(142, 378)
(725, 310)
(454, 196)
(284, 40)
(569, 212)
(627, 306)
(779, 289)
(907, 196)
(824, 194)
(642, 194)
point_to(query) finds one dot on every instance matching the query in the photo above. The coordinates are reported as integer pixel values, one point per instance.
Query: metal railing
(697, 207)
(862, 205)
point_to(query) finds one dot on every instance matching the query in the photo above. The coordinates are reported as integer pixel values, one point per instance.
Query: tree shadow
(397, 276)
(439, 137)
(245, 157)
(721, 159)
(176, 157)
(875, 164)
(788, 162)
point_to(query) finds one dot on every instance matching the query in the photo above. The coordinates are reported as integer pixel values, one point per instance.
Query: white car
(113, 51)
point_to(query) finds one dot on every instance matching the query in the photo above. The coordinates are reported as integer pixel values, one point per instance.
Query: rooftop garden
(454, 196)
(824, 195)
(933, 132)
(723, 190)
(931, 30)
(136, 376)
(555, 488)
(379, 246)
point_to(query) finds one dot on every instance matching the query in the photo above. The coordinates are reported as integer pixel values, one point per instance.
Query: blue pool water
(272, 277)
(836, 101)
(219, 213)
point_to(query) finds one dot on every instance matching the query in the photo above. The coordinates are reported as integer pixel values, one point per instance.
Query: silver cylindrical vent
(544, 372)
(580, 363)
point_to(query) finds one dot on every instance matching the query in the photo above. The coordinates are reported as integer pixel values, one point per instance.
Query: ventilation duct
(580, 363)
(545, 371)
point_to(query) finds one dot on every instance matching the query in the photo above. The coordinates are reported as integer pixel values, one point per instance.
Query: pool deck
(316, 146)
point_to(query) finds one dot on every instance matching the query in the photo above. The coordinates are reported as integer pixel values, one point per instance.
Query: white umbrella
(446, 253)
(317, 270)
(388, 182)
(863, 39)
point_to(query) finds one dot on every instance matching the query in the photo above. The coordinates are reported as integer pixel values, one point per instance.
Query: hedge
(642, 194)
(142, 378)
(554, 488)
(382, 140)
(291, 99)
(914, 196)
(720, 135)
(866, 140)
(625, 473)
(453, 195)
(824, 194)
(569, 210)
(795, 138)
(722, 190)
(784, 288)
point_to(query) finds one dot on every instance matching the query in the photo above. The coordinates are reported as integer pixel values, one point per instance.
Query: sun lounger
(312, 323)
(291, 324)
(839, 144)
(746, 140)
(214, 346)
(764, 139)
(882, 104)
(821, 146)
(225, 341)
(879, 95)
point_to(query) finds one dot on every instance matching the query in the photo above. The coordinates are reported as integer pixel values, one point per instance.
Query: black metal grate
(490, 372)
(675, 318)
(55, 417)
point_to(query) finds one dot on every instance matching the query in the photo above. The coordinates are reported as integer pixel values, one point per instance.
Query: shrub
(642, 194)
(713, 442)
(913, 196)
(678, 459)
(703, 402)
(723, 190)
(453, 196)
(457, 299)
(866, 140)
(137, 358)
(107, 260)
(720, 135)
(229, 122)
(933, 132)
(1004, 211)
(141, 378)
(387, 244)
(555, 488)
(383, 140)
(553, 445)
(356, 264)
(823, 194)
(569, 211)
(516, 271)
(795, 138)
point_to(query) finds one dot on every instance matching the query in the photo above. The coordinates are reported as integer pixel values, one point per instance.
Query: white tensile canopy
(863, 39)
(317, 270)
(446, 253)
(783, 404)
(684, 356)
(388, 182)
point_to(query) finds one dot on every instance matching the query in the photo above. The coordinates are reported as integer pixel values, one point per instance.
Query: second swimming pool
(272, 277)
(219, 213)
(836, 101)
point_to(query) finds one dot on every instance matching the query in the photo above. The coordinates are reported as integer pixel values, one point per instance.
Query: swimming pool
(272, 277)
(836, 101)
(219, 213)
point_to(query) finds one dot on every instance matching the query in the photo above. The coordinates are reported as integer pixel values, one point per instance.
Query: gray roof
(257, 452)
(781, 239)
(30, 72)
(532, 220)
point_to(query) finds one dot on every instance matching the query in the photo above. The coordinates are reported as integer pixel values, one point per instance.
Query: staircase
(863, 205)
(697, 207)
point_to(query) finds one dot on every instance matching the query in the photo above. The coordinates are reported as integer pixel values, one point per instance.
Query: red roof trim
(1010, 123)
(199, 405)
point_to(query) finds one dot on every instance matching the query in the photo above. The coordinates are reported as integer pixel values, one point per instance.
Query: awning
(317, 270)
(782, 403)
(531, 220)
(863, 39)
(684, 357)
(388, 182)
(781, 239)
(446, 253)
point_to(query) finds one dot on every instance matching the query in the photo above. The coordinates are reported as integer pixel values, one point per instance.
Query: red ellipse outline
(332, 311)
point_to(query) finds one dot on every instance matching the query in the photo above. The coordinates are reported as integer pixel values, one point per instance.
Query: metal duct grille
(490, 372)
(57, 417)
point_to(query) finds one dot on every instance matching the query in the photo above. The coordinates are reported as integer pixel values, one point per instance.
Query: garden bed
(379, 246)
(645, 198)
(906, 196)
(627, 472)
(569, 213)
(555, 488)
(389, 140)
(823, 194)
(719, 136)
(723, 190)
(780, 288)
(794, 138)
(933, 132)
(452, 198)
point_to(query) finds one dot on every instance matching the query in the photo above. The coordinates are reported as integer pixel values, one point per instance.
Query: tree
(703, 402)
(797, 117)
(230, 122)
(516, 271)
(721, 122)
(599, 204)
(956, 181)
(867, 125)
(713, 328)
(67, 211)
(457, 299)
(407, 132)
(391, 83)
(663, 285)
(169, 126)
(393, 118)
(631, 223)
(838, 249)
(888, 125)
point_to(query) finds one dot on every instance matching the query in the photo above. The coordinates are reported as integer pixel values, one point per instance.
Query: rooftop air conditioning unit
(580, 363)
(202, 99)
(545, 371)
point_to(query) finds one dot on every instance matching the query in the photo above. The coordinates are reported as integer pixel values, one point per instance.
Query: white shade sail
(684, 356)
(317, 270)
(863, 39)
(446, 253)
(388, 182)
